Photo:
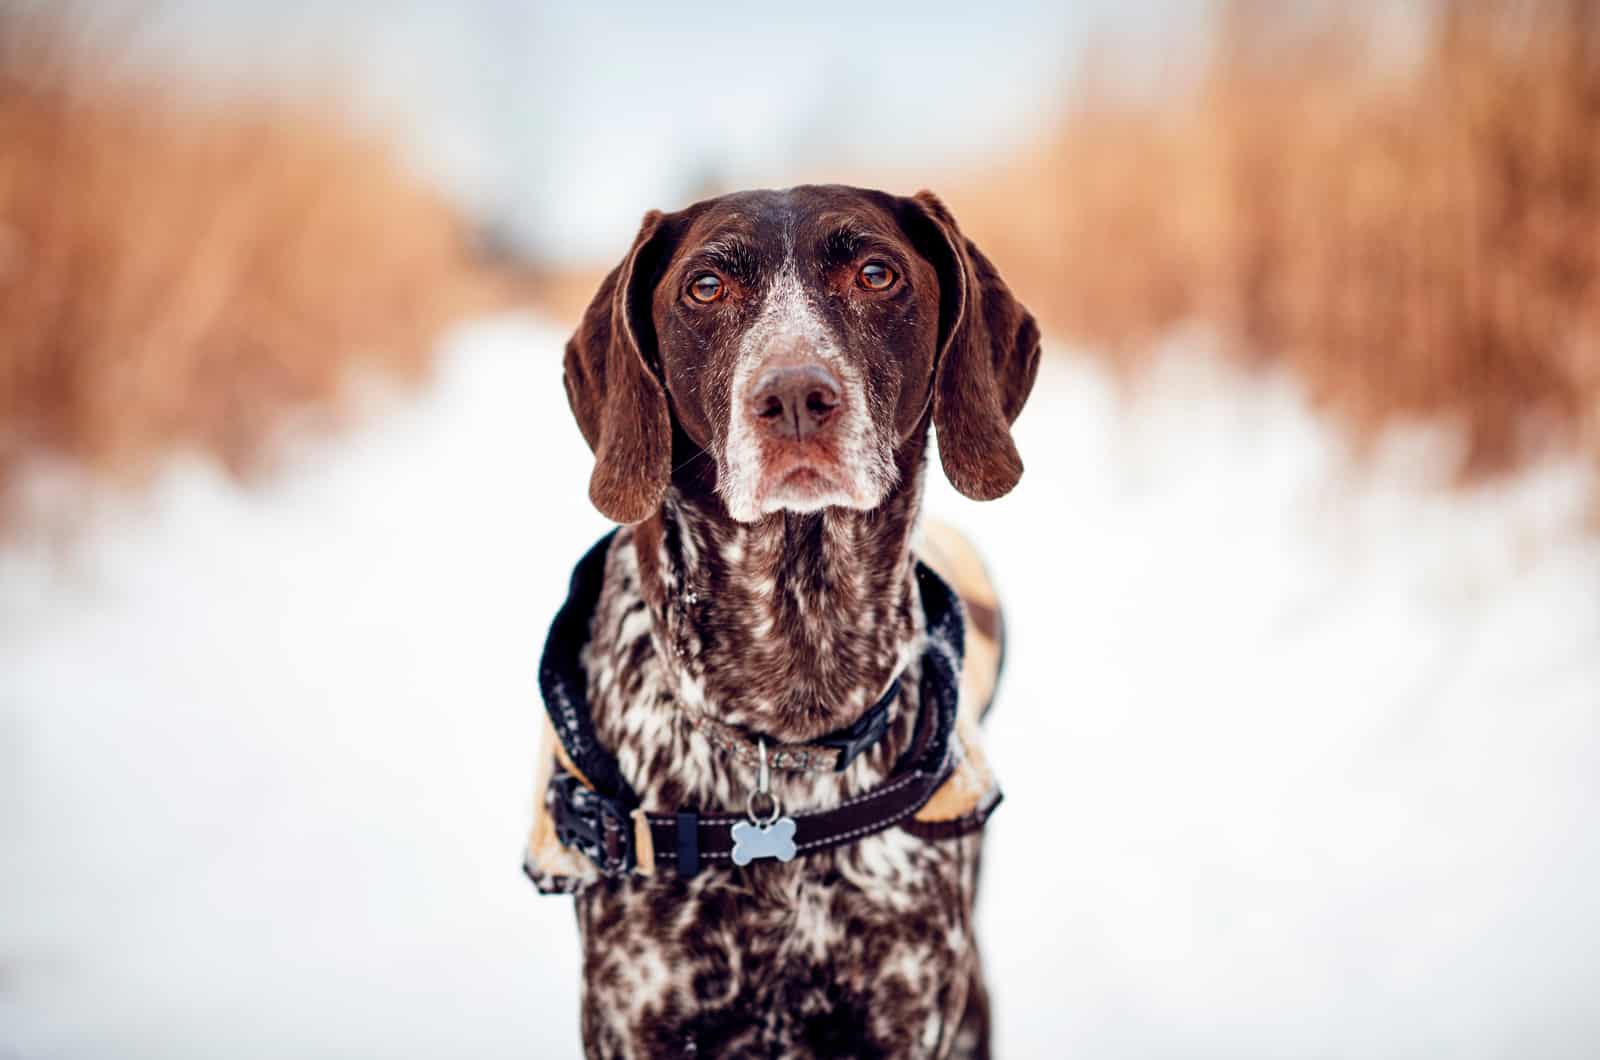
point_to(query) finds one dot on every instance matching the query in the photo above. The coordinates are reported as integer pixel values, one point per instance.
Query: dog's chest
(861, 950)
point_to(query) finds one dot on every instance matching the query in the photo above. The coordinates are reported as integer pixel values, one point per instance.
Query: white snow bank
(1299, 760)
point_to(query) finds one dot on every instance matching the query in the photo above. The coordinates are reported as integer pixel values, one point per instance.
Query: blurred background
(1301, 726)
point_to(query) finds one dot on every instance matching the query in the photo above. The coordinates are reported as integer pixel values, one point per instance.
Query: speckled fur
(863, 951)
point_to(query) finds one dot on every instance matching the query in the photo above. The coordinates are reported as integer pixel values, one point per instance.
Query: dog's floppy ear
(987, 358)
(613, 387)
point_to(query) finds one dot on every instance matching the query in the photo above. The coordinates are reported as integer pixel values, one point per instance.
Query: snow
(1300, 755)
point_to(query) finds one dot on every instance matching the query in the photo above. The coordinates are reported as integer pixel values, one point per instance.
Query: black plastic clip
(867, 730)
(593, 825)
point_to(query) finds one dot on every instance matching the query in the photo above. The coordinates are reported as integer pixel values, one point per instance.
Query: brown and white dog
(757, 380)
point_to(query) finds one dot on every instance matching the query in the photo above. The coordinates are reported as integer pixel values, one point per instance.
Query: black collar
(565, 686)
(866, 731)
(834, 751)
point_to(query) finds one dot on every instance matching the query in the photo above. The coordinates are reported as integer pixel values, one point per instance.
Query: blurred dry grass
(173, 273)
(1412, 232)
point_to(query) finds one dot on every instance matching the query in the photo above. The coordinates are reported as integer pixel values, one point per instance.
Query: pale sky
(561, 123)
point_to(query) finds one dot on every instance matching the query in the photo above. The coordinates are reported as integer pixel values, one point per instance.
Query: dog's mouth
(802, 478)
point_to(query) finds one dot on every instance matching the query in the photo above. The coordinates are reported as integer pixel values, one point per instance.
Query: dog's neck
(791, 626)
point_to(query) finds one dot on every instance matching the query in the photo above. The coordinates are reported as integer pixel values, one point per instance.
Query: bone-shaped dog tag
(752, 841)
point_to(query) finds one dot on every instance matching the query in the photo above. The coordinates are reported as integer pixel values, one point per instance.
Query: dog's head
(799, 338)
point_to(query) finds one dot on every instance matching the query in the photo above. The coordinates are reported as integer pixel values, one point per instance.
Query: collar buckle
(867, 730)
(593, 825)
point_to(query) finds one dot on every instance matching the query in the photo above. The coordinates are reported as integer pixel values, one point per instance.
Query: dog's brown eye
(705, 288)
(875, 276)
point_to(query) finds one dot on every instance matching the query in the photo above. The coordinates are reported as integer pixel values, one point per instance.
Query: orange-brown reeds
(174, 272)
(1414, 229)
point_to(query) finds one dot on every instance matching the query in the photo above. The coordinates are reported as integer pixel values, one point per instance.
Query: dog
(767, 790)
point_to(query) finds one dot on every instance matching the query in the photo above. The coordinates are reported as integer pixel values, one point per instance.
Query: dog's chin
(805, 489)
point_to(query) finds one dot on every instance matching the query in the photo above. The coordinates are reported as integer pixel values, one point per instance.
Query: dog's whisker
(692, 459)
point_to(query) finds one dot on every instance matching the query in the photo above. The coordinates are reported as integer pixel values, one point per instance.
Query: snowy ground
(1300, 761)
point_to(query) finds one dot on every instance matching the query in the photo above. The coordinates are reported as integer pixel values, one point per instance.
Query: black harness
(598, 814)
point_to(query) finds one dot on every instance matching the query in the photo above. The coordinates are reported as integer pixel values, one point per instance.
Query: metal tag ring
(758, 820)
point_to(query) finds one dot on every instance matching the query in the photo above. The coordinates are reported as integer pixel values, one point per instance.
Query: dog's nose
(794, 401)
